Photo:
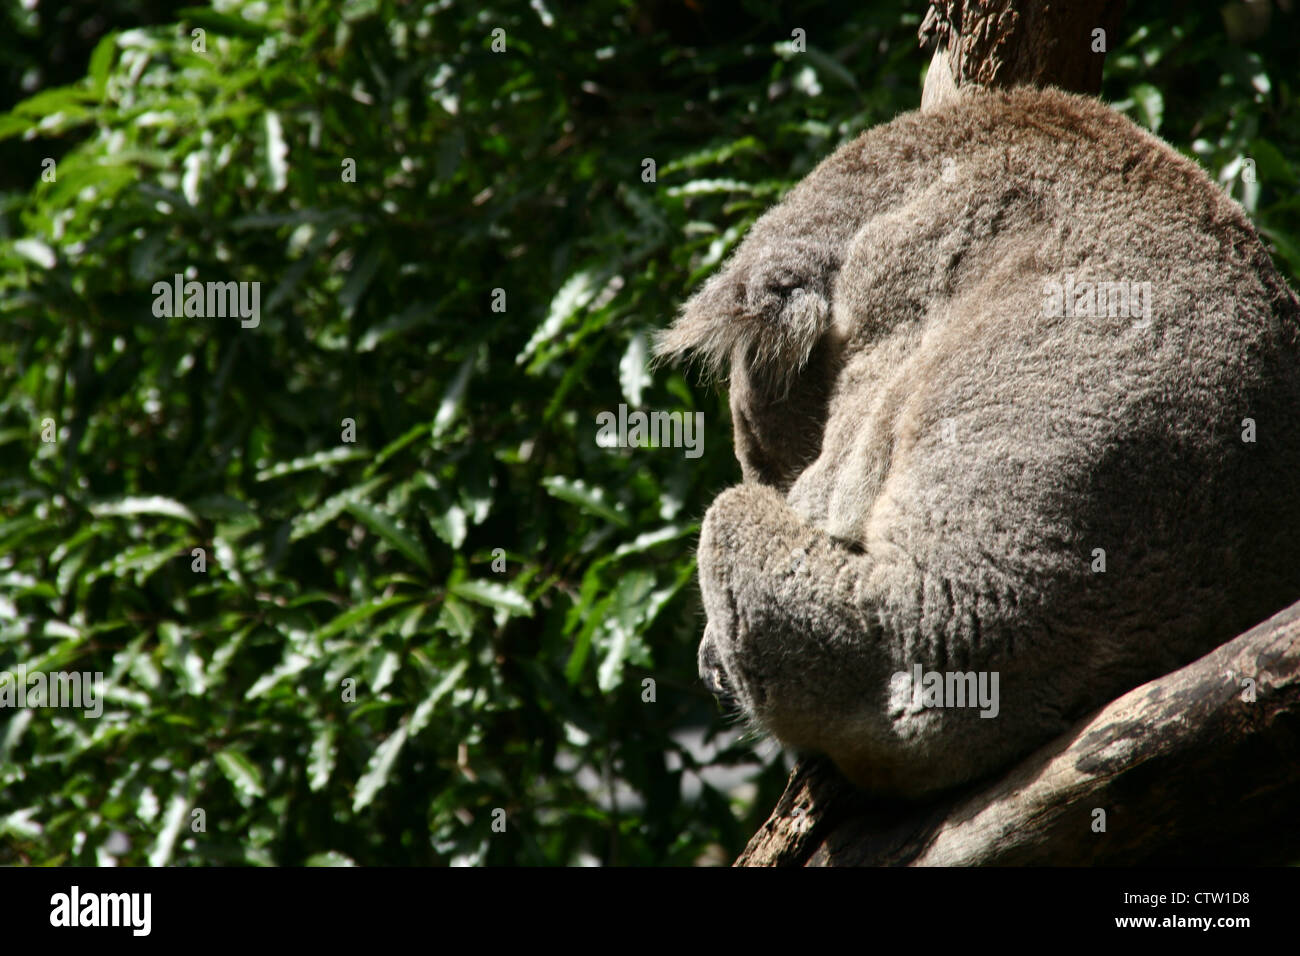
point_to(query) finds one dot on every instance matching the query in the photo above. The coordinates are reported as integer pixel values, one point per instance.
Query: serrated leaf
(181, 658)
(387, 528)
(651, 539)
(177, 808)
(385, 671)
(572, 298)
(707, 187)
(716, 154)
(312, 521)
(241, 772)
(293, 663)
(629, 612)
(378, 769)
(321, 459)
(578, 492)
(320, 764)
(420, 719)
(156, 505)
(633, 370)
(359, 613)
(493, 595)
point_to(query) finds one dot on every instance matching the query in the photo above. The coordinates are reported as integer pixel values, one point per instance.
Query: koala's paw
(752, 555)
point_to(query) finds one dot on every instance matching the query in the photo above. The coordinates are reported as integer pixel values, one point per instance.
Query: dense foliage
(424, 594)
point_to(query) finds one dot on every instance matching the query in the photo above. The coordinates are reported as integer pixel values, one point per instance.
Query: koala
(1015, 394)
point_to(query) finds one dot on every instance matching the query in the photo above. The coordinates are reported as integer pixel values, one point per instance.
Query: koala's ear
(707, 329)
(766, 309)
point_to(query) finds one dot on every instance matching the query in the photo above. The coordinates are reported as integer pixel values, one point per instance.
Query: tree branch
(1187, 769)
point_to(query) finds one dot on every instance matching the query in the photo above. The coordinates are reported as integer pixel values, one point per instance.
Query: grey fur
(930, 458)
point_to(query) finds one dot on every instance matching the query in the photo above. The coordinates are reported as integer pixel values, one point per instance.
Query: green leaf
(242, 773)
(387, 528)
(456, 619)
(359, 279)
(450, 526)
(493, 595)
(453, 398)
(101, 62)
(633, 371)
(379, 768)
(222, 23)
(420, 719)
(572, 298)
(412, 434)
(360, 613)
(629, 611)
(1150, 105)
(716, 154)
(155, 505)
(582, 644)
(324, 755)
(578, 492)
(312, 521)
(293, 663)
(322, 459)
(277, 152)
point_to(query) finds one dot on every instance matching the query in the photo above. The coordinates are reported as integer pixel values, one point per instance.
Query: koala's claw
(714, 676)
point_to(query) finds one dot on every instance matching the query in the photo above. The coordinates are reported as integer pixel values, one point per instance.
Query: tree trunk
(1196, 767)
(1002, 43)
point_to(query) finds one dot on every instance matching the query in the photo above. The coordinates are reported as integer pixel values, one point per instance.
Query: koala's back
(1046, 385)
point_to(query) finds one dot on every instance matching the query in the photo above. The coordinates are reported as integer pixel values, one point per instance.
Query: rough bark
(1000, 43)
(1187, 769)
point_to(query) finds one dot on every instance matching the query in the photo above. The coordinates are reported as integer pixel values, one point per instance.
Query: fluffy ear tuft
(766, 309)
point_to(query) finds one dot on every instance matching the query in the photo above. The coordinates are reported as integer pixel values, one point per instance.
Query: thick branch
(1002, 43)
(1185, 768)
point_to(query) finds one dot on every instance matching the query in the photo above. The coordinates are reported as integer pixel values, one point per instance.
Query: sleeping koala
(1015, 391)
